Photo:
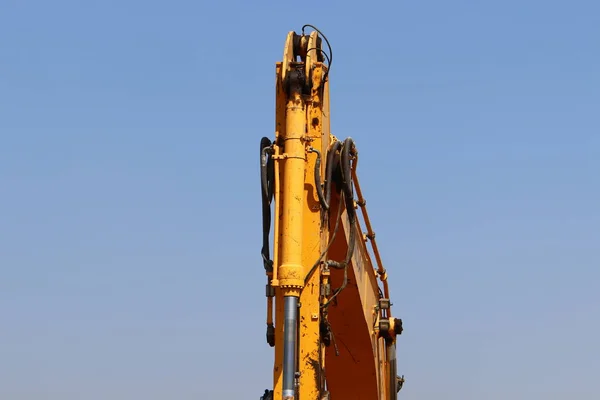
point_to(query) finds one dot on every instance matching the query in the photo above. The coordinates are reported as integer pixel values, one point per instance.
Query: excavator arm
(329, 315)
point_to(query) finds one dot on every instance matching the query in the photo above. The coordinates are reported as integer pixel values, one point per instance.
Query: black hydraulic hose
(348, 194)
(346, 172)
(347, 149)
(266, 168)
(329, 167)
(331, 155)
(330, 58)
(348, 189)
(267, 175)
(319, 188)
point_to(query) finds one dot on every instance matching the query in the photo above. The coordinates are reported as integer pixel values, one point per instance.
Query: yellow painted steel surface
(345, 326)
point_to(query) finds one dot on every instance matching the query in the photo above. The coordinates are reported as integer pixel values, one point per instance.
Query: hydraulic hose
(319, 188)
(266, 179)
(345, 163)
(348, 190)
(331, 157)
(267, 187)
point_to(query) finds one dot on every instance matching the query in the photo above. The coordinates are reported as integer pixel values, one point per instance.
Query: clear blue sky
(130, 225)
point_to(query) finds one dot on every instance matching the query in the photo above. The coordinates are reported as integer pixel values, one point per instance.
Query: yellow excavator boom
(329, 315)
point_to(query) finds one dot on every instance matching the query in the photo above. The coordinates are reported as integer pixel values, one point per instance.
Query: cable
(331, 158)
(267, 174)
(348, 149)
(322, 53)
(330, 59)
(348, 190)
(329, 166)
(339, 290)
(328, 64)
(319, 188)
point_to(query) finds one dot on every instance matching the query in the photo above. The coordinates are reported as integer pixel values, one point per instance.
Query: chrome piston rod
(290, 335)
